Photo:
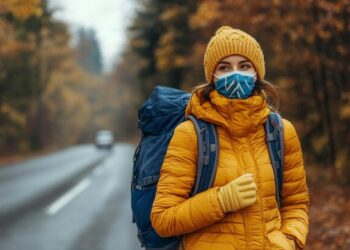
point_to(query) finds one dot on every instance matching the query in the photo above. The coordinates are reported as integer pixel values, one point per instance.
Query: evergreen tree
(160, 36)
(89, 53)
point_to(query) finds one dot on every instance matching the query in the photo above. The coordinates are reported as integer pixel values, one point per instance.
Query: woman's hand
(239, 193)
(279, 240)
(291, 241)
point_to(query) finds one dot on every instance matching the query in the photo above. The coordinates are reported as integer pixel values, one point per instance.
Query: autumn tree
(46, 98)
(16, 53)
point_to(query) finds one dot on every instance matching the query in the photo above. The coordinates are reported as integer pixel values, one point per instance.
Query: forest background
(53, 94)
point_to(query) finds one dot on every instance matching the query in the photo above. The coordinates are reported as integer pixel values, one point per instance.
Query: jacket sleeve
(174, 212)
(295, 196)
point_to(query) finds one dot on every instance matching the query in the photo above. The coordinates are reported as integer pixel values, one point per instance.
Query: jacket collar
(239, 116)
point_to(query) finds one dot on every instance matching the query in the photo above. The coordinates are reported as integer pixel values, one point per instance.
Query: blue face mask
(236, 85)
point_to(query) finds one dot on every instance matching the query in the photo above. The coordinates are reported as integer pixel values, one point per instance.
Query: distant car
(104, 139)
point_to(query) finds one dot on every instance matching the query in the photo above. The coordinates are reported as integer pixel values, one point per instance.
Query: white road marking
(67, 197)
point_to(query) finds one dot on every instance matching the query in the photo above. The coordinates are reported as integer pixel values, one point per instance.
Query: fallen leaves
(329, 217)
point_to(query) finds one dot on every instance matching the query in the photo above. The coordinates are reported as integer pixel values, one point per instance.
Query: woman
(240, 211)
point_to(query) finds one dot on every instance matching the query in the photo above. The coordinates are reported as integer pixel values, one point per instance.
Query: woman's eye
(245, 66)
(223, 68)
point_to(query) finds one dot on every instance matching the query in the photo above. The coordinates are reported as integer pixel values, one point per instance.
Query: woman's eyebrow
(224, 62)
(244, 61)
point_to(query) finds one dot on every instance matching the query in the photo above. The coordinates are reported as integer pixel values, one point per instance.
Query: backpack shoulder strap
(208, 149)
(275, 142)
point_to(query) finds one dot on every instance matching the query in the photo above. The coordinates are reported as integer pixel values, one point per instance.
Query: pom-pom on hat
(228, 41)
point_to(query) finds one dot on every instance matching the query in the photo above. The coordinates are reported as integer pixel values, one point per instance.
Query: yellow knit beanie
(228, 41)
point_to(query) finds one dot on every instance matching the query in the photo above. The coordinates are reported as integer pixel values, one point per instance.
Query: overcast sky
(109, 18)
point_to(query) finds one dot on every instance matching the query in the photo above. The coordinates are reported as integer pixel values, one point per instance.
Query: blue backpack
(158, 117)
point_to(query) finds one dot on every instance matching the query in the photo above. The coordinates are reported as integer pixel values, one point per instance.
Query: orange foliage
(21, 9)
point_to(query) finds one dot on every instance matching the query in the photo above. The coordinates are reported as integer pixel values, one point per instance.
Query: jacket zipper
(243, 213)
(258, 178)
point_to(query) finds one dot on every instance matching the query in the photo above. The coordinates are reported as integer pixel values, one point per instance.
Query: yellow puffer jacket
(242, 150)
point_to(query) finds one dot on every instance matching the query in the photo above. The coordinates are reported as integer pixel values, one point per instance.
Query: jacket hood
(239, 116)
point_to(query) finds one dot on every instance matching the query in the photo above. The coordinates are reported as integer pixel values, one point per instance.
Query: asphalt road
(76, 199)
